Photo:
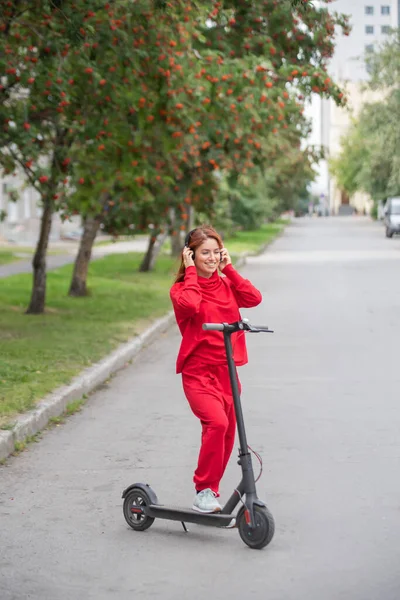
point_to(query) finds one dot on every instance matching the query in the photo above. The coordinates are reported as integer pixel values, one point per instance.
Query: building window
(385, 10)
(369, 10)
(385, 29)
(369, 29)
(369, 48)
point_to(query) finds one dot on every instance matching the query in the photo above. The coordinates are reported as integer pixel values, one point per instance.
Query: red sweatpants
(208, 390)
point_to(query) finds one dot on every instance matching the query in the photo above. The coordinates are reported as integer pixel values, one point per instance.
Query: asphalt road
(321, 403)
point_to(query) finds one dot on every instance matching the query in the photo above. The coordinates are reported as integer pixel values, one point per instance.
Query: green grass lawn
(123, 238)
(252, 241)
(7, 256)
(40, 353)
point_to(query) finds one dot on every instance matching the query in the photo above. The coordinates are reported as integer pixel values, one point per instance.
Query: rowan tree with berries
(134, 112)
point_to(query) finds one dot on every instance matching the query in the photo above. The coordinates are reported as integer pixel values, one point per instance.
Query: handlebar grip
(213, 326)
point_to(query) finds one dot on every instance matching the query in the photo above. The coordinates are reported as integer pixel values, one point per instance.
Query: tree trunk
(190, 223)
(79, 276)
(38, 297)
(153, 250)
(176, 243)
(176, 234)
(78, 286)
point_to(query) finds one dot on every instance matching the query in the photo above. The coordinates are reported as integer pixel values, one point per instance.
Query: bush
(374, 211)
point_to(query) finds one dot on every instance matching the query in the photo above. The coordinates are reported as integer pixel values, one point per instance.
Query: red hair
(198, 237)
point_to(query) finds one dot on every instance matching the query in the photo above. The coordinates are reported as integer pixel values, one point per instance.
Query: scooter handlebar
(213, 326)
(243, 325)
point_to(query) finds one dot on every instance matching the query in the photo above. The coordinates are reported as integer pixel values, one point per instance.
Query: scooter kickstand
(185, 529)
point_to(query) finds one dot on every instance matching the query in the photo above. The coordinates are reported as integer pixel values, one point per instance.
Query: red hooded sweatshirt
(198, 300)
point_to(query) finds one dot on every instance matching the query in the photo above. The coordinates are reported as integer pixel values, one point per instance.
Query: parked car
(391, 220)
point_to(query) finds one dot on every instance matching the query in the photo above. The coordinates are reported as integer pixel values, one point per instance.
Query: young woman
(200, 295)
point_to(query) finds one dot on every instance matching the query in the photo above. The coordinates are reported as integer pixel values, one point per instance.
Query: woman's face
(207, 258)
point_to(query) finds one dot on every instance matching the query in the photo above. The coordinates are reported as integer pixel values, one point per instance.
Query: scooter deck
(158, 511)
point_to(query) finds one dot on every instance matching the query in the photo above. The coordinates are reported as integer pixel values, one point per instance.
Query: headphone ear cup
(187, 238)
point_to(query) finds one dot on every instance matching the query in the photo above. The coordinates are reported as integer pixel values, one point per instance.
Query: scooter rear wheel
(259, 536)
(134, 502)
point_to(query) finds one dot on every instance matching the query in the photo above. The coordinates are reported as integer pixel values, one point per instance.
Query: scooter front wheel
(135, 500)
(261, 534)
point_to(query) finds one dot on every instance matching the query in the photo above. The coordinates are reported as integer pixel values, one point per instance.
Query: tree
(68, 76)
(66, 67)
(370, 156)
(142, 105)
(244, 87)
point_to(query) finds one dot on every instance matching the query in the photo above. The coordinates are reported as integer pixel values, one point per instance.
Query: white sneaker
(206, 502)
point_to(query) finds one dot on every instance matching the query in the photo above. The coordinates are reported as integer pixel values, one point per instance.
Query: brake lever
(252, 329)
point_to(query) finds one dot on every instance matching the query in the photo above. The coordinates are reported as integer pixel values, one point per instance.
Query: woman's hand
(187, 255)
(225, 259)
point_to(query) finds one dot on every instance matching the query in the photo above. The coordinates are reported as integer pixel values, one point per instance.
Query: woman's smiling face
(207, 257)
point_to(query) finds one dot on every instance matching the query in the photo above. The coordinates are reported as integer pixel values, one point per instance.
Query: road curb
(55, 403)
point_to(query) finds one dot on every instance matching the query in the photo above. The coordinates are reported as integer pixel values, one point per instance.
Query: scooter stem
(236, 394)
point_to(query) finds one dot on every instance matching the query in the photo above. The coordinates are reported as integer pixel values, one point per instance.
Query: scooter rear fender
(146, 488)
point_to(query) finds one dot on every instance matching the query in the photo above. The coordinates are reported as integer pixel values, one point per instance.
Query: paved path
(321, 402)
(54, 262)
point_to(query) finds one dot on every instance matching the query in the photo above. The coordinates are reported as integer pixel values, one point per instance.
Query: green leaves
(370, 156)
(384, 65)
(158, 99)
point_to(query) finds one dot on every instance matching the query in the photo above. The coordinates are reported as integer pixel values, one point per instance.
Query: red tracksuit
(202, 361)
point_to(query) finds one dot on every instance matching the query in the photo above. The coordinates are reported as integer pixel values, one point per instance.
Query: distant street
(321, 404)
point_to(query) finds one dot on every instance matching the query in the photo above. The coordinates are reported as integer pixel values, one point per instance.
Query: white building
(22, 214)
(22, 222)
(371, 21)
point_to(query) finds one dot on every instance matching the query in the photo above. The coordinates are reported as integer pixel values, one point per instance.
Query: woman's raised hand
(225, 259)
(187, 255)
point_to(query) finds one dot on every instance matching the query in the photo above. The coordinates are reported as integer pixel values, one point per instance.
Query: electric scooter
(254, 521)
